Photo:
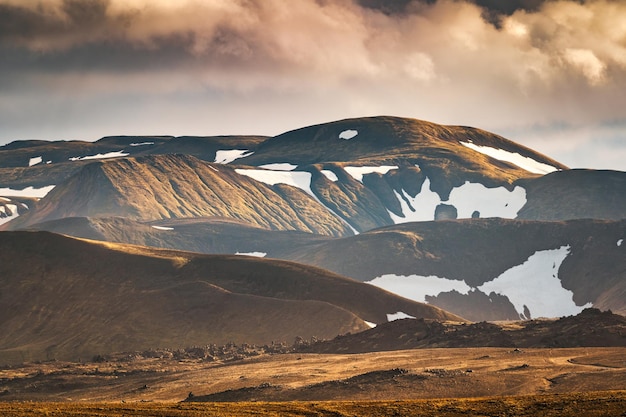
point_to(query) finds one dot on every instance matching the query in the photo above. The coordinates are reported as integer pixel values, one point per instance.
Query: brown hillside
(591, 328)
(66, 298)
(479, 250)
(170, 186)
(385, 139)
(575, 194)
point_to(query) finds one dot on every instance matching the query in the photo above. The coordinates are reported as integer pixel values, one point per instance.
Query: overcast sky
(548, 74)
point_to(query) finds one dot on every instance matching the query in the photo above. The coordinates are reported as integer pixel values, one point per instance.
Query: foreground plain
(611, 403)
(376, 376)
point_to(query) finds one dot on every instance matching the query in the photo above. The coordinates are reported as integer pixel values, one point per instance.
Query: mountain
(43, 163)
(67, 298)
(488, 269)
(575, 194)
(357, 196)
(481, 269)
(365, 173)
(165, 186)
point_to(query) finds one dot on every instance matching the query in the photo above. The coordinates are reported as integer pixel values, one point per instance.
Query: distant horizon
(535, 142)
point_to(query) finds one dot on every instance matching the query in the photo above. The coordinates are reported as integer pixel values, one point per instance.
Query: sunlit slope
(171, 186)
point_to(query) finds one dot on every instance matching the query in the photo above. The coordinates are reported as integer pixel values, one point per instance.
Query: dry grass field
(611, 403)
(443, 382)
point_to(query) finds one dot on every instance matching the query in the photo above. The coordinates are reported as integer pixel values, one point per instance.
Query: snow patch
(115, 154)
(4, 199)
(397, 316)
(469, 197)
(228, 156)
(417, 287)
(142, 144)
(419, 208)
(330, 175)
(524, 162)
(162, 228)
(535, 284)
(490, 202)
(35, 160)
(297, 179)
(358, 172)
(10, 211)
(27, 192)
(255, 254)
(369, 323)
(285, 166)
(348, 134)
(619, 242)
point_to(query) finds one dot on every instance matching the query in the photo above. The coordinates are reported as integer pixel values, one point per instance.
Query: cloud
(488, 63)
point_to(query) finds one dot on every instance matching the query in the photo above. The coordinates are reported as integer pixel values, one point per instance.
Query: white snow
(358, 172)
(35, 160)
(142, 144)
(256, 254)
(490, 202)
(348, 134)
(285, 166)
(419, 208)
(4, 199)
(115, 154)
(397, 316)
(330, 175)
(297, 179)
(228, 156)
(162, 228)
(417, 287)
(524, 162)
(469, 197)
(535, 284)
(27, 192)
(13, 209)
(369, 323)
(619, 242)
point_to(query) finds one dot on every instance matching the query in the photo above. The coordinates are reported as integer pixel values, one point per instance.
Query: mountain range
(463, 222)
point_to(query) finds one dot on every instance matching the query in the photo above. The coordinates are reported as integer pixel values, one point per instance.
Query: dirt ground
(398, 375)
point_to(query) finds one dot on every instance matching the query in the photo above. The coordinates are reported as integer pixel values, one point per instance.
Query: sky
(550, 75)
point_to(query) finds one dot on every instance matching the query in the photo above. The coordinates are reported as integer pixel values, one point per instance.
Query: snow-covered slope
(488, 269)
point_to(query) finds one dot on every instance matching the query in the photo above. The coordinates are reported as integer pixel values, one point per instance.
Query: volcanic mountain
(481, 269)
(66, 298)
(305, 196)
(365, 173)
(179, 186)
(488, 269)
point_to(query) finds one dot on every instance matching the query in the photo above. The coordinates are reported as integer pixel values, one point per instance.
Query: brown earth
(65, 298)
(611, 403)
(590, 328)
(380, 376)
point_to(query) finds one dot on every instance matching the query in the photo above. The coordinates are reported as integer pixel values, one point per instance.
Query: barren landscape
(454, 381)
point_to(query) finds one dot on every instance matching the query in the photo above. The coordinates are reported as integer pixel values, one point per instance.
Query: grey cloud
(495, 64)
